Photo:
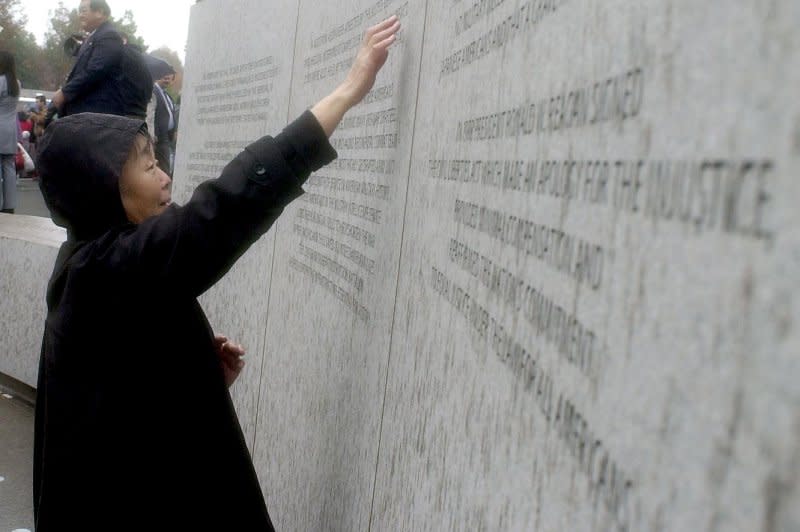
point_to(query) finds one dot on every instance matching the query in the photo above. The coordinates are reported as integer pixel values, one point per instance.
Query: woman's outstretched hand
(371, 57)
(369, 60)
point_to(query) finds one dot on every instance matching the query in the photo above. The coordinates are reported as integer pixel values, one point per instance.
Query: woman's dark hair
(8, 68)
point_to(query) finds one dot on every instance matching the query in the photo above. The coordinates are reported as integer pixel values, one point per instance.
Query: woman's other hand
(230, 356)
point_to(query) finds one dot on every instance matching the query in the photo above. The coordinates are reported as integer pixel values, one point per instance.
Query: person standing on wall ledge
(135, 428)
(93, 84)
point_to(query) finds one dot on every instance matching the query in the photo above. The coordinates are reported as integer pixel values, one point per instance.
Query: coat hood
(80, 161)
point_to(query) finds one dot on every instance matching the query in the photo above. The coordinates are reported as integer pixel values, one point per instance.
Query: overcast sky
(160, 22)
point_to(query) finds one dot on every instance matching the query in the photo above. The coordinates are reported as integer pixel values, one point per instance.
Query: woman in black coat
(135, 429)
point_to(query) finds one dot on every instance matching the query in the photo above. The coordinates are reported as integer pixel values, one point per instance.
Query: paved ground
(16, 459)
(29, 199)
(16, 417)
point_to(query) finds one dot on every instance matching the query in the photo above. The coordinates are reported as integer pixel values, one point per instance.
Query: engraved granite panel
(591, 210)
(596, 324)
(235, 91)
(334, 279)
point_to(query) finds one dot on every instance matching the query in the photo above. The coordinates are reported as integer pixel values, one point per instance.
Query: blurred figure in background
(166, 121)
(26, 126)
(136, 82)
(158, 68)
(38, 115)
(9, 130)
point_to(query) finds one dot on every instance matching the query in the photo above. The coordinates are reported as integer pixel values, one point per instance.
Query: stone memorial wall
(550, 283)
(335, 279)
(236, 90)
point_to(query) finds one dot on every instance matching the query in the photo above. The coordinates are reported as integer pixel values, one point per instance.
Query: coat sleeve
(104, 57)
(189, 248)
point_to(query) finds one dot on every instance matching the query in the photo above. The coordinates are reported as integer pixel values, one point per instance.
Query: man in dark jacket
(135, 428)
(166, 120)
(95, 82)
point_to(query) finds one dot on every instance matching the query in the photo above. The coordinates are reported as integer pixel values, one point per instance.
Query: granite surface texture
(236, 90)
(28, 249)
(551, 283)
(334, 280)
(593, 325)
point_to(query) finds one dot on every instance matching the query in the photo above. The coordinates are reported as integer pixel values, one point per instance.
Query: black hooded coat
(135, 428)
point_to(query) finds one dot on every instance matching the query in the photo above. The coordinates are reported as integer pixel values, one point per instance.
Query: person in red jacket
(135, 428)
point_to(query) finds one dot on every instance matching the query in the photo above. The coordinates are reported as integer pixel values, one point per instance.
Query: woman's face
(144, 187)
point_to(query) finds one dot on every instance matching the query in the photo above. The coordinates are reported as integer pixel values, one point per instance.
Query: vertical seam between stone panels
(264, 337)
(399, 265)
(274, 244)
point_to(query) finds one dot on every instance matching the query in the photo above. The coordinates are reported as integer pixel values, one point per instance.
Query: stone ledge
(34, 229)
(18, 389)
(28, 249)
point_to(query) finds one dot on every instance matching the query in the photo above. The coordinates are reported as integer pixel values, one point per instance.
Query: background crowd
(109, 72)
